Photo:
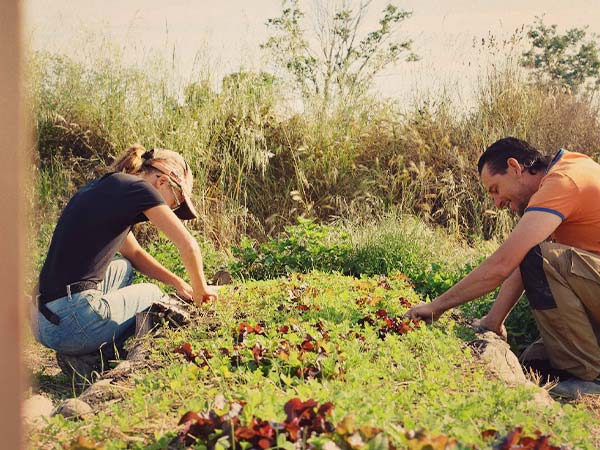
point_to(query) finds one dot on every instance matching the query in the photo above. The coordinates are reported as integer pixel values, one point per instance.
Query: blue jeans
(96, 318)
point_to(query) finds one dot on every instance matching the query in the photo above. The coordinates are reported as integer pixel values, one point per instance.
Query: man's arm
(145, 263)
(510, 293)
(533, 228)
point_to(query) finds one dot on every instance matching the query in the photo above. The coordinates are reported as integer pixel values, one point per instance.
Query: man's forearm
(507, 298)
(484, 279)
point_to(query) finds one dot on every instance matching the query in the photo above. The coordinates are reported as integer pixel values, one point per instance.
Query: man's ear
(514, 165)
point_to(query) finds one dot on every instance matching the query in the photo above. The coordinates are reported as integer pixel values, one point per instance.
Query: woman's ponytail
(131, 160)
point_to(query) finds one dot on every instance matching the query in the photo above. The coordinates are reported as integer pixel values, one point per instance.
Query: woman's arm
(167, 222)
(145, 263)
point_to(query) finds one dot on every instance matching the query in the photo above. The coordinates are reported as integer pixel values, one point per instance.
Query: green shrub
(167, 254)
(379, 249)
(302, 248)
(431, 258)
(249, 150)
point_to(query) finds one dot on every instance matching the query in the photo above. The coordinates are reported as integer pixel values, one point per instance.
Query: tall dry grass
(259, 164)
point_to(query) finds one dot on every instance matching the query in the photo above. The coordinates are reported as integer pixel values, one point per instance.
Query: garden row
(319, 361)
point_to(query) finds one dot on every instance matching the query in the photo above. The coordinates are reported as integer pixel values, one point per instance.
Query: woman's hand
(486, 324)
(184, 290)
(205, 295)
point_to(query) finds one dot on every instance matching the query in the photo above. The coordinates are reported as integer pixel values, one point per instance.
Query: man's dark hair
(496, 155)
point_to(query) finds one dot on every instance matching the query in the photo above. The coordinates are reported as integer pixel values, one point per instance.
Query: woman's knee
(123, 266)
(147, 293)
(154, 291)
(118, 275)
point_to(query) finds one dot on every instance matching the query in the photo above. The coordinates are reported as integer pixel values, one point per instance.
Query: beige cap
(174, 166)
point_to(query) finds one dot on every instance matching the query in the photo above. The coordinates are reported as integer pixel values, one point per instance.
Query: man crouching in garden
(553, 254)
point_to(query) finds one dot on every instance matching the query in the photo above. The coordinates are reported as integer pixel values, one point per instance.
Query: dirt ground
(45, 377)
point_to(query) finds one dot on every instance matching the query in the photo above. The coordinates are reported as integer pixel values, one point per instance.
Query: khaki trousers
(562, 284)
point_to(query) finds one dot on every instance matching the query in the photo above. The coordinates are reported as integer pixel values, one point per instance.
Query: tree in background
(338, 62)
(570, 60)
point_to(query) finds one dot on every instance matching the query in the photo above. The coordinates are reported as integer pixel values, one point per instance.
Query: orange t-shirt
(571, 190)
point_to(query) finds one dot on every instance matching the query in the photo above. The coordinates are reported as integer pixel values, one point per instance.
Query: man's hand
(485, 324)
(427, 312)
(206, 295)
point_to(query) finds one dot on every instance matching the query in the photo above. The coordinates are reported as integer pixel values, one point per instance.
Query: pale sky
(225, 35)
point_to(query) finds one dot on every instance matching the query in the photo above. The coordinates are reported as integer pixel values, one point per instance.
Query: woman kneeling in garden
(85, 297)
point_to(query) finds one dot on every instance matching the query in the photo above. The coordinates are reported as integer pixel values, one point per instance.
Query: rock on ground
(37, 407)
(73, 408)
(505, 365)
(100, 392)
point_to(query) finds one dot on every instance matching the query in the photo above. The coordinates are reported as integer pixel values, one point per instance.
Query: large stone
(504, 364)
(221, 278)
(123, 370)
(100, 392)
(37, 407)
(74, 408)
(499, 358)
(138, 351)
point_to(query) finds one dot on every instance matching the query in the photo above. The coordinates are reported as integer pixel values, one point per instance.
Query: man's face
(508, 190)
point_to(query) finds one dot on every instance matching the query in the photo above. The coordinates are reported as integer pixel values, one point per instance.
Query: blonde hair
(132, 160)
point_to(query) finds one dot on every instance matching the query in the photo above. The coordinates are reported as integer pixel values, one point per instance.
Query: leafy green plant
(167, 254)
(300, 248)
(397, 246)
(386, 249)
(437, 279)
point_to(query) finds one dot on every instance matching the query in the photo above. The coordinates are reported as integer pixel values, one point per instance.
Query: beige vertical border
(12, 222)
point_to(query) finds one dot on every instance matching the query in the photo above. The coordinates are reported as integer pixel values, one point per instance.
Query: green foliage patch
(426, 378)
(310, 246)
(428, 259)
(249, 151)
(300, 248)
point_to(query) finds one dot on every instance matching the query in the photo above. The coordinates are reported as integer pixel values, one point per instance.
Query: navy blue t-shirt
(92, 229)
